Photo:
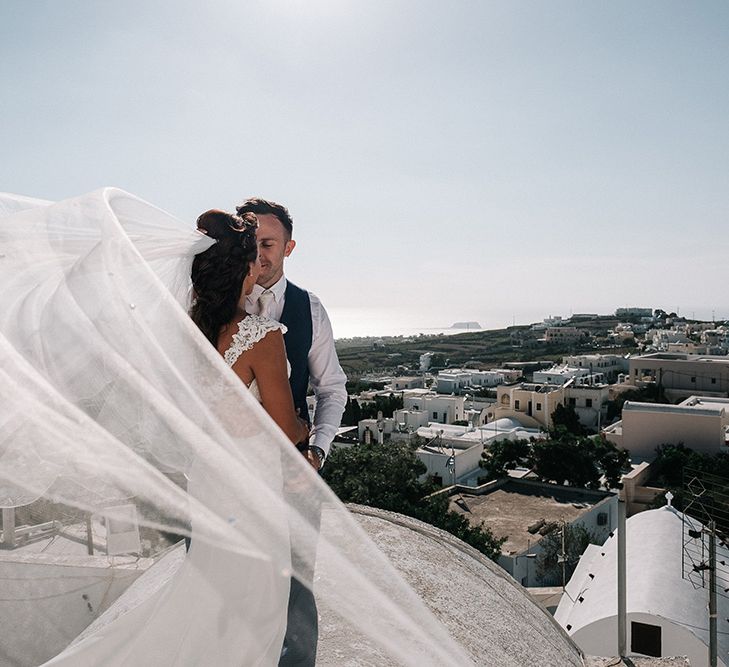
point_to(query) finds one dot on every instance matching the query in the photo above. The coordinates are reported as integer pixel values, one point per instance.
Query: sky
(474, 160)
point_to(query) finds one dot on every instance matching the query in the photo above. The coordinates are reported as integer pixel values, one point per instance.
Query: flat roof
(511, 508)
(666, 408)
(682, 356)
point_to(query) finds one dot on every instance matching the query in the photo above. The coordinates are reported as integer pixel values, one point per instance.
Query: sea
(352, 322)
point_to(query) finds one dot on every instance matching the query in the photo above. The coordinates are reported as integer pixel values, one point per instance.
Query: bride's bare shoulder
(265, 341)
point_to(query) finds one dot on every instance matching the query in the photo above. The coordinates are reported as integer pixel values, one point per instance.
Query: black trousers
(302, 623)
(302, 629)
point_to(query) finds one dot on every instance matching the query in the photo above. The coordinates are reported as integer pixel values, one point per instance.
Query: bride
(253, 346)
(109, 388)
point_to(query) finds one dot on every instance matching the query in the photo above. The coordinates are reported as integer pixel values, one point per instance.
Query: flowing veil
(115, 405)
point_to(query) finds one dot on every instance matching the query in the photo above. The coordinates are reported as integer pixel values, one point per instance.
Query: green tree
(352, 412)
(387, 477)
(579, 461)
(385, 404)
(565, 461)
(384, 476)
(504, 455)
(611, 460)
(564, 416)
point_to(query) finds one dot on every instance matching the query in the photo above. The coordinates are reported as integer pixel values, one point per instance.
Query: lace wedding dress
(108, 388)
(251, 329)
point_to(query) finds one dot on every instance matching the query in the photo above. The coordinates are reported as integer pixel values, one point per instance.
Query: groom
(310, 351)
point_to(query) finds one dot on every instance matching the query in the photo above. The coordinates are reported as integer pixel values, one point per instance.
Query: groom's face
(274, 245)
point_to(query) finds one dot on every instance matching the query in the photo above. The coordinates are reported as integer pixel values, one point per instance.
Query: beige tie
(265, 303)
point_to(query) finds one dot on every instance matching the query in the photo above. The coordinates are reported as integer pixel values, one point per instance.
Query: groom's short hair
(265, 207)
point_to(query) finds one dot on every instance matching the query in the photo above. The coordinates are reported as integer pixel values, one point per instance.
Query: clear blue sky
(468, 157)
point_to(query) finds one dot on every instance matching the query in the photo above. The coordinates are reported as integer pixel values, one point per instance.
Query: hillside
(477, 349)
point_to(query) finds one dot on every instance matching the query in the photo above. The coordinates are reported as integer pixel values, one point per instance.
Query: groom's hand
(313, 459)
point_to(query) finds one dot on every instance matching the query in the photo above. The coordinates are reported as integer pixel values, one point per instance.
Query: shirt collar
(278, 289)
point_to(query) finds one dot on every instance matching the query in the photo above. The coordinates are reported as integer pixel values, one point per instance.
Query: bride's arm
(267, 360)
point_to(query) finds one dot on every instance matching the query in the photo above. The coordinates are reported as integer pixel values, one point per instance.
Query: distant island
(465, 325)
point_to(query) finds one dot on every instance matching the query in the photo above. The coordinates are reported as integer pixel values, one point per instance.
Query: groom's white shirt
(325, 374)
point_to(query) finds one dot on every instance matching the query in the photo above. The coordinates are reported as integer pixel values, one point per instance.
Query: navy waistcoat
(296, 316)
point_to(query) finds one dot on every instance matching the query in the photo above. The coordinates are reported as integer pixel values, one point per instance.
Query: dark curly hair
(219, 271)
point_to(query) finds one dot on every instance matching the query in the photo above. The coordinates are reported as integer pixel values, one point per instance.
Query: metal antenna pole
(712, 594)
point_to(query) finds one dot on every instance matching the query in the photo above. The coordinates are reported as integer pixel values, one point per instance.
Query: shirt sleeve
(326, 378)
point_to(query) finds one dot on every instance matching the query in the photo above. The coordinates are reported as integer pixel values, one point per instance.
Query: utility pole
(564, 557)
(89, 536)
(622, 583)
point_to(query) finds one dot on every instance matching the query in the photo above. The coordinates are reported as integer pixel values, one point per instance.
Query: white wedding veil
(111, 398)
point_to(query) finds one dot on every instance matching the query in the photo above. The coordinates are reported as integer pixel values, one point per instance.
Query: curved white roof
(655, 583)
(487, 612)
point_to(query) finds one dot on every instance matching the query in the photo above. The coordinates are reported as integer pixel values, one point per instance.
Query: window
(693, 378)
(539, 406)
(588, 402)
(435, 415)
(713, 380)
(645, 639)
(516, 404)
(572, 402)
(445, 417)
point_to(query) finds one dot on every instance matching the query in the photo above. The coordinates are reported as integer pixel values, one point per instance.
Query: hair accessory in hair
(217, 224)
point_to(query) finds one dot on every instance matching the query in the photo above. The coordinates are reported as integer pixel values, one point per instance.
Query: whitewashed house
(440, 408)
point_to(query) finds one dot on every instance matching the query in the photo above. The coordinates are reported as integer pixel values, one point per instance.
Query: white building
(610, 365)
(410, 419)
(369, 429)
(682, 375)
(562, 374)
(666, 614)
(405, 383)
(716, 340)
(452, 380)
(490, 378)
(466, 444)
(551, 321)
(441, 409)
(448, 465)
(590, 403)
(700, 423)
(530, 403)
(457, 380)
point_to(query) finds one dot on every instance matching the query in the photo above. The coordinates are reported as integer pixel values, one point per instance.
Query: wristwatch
(320, 454)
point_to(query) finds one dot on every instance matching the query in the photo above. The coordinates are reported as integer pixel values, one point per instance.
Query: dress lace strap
(251, 329)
